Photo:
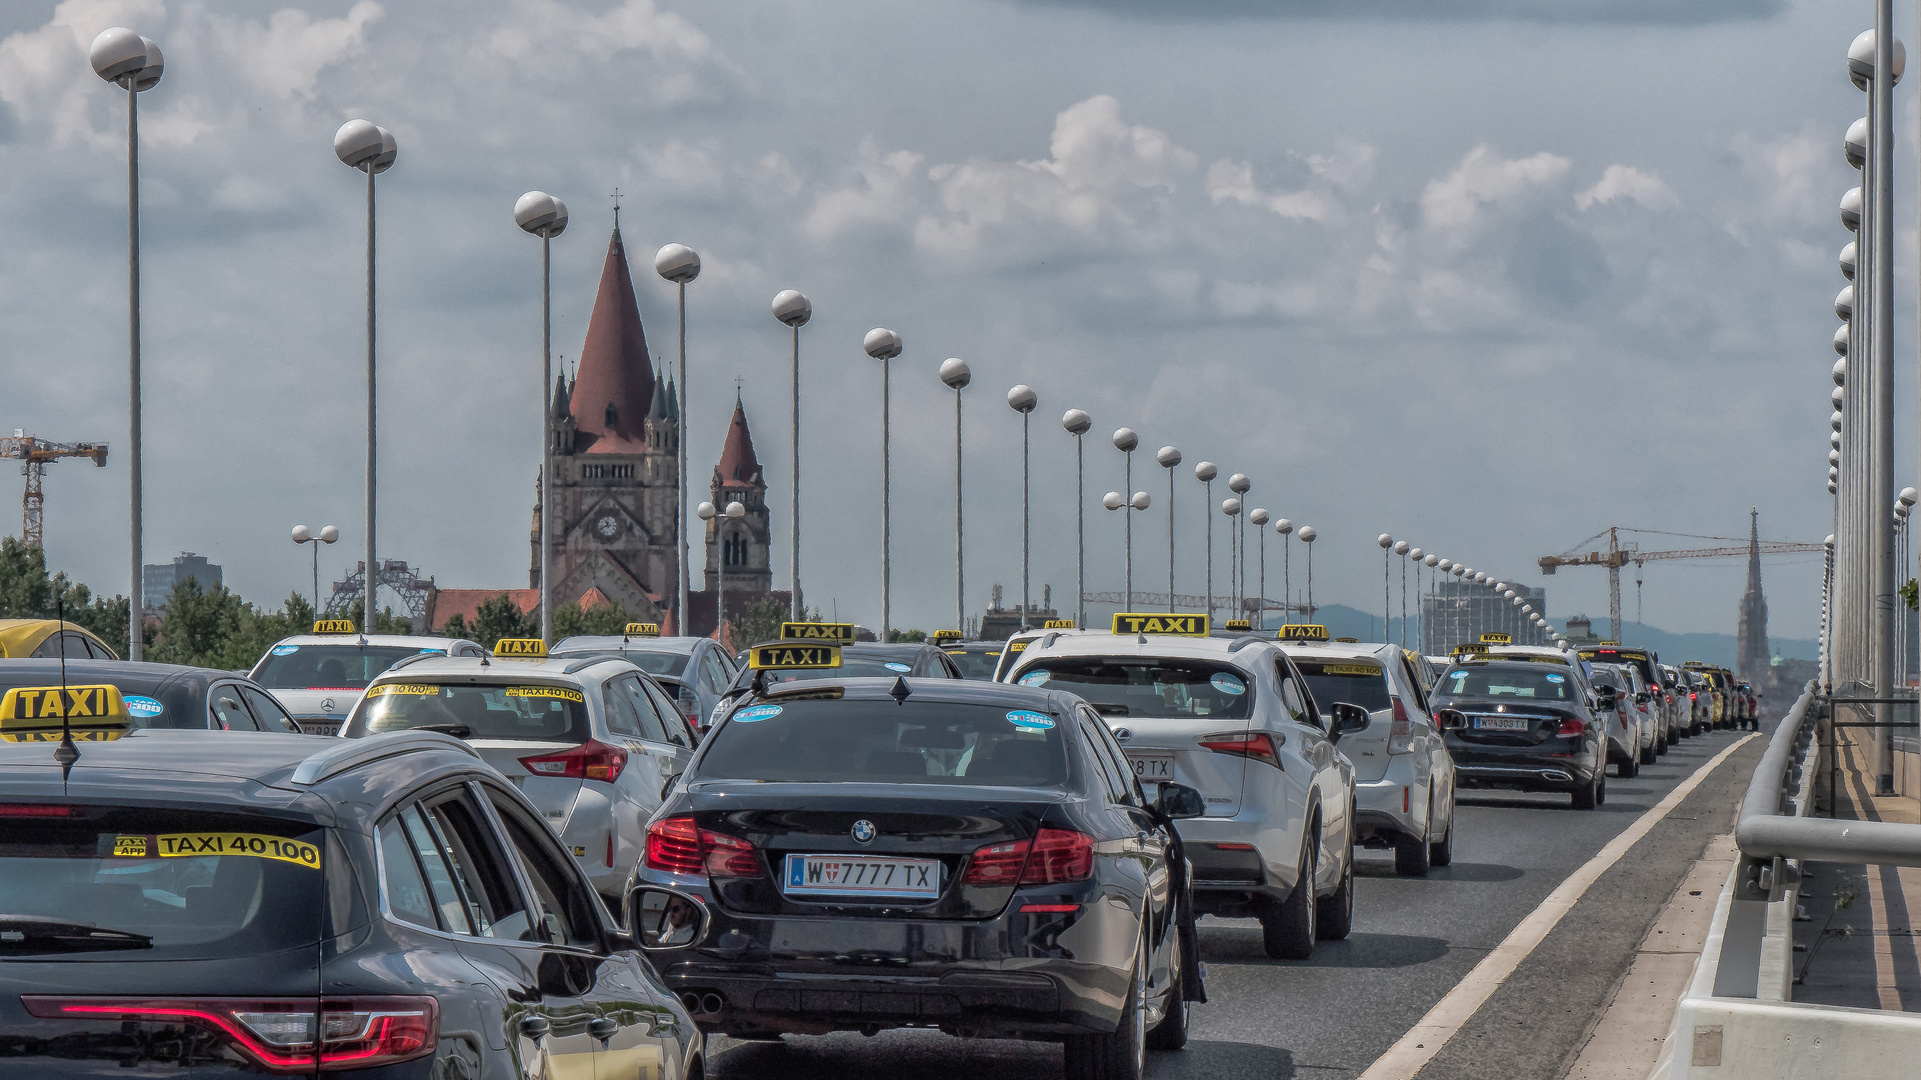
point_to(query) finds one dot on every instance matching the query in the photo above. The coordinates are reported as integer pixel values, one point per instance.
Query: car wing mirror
(666, 918)
(668, 785)
(1642, 698)
(1348, 718)
(1178, 801)
(1451, 719)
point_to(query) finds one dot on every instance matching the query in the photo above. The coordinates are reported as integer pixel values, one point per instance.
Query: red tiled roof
(738, 465)
(594, 598)
(614, 367)
(466, 603)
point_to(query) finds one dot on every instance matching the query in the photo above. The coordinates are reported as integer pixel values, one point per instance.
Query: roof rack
(357, 752)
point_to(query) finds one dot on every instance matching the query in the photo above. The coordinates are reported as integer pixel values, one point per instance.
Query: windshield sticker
(414, 689)
(1030, 721)
(285, 650)
(434, 651)
(757, 713)
(255, 845)
(1556, 678)
(891, 666)
(1036, 678)
(560, 692)
(1349, 669)
(142, 706)
(1228, 684)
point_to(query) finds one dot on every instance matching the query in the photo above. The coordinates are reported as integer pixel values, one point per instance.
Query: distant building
(157, 582)
(738, 550)
(999, 623)
(1751, 653)
(1580, 631)
(1459, 613)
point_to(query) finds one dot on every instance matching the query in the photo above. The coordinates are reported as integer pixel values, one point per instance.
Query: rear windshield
(850, 668)
(1145, 686)
(156, 884)
(1611, 656)
(328, 667)
(829, 741)
(1609, 675)
(1537, 681)
(1356, 682)
(525, 711)
(976, 665)
(653, 663)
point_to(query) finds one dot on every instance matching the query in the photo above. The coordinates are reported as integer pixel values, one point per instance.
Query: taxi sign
(1497, 639)
(1058, 624)
(1609, 644)
(1303, 632)
(1163, 622)
(1464, 650)
(783, 655)
(1237, 624)
(521, 648)
(38, 713)
(333, 626)
(641, 629)
(830, 631)
(946, 635)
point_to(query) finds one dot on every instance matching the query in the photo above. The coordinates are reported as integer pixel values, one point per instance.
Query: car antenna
(67, 753)
(900, 690)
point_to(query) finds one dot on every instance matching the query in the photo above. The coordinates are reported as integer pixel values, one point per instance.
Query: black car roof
(128, 675)
(940, 691)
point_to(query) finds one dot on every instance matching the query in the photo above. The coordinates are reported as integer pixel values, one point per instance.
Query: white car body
(320, 705)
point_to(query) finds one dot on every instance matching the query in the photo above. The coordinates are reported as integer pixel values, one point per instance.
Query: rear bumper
(1475, 768)
(1389, 808)
(1237, 861)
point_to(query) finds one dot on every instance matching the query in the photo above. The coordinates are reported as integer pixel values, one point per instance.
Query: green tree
(27, 591)
(906, 635)
(500, 618)
(601, 620)
(455, 626)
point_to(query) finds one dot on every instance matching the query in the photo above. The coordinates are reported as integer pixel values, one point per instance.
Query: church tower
(1751, 653)
(739, 548)
(611, 468)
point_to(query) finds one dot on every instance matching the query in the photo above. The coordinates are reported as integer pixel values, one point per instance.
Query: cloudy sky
(1490, 275)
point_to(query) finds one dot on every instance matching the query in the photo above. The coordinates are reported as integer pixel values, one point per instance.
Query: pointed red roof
(738, 465)
(615, 384)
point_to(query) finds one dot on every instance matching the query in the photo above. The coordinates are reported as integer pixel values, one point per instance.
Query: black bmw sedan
(860, 854)
(1529, 727)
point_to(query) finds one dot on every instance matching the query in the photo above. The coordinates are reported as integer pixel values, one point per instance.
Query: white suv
(1232, 719)
(1404, 787)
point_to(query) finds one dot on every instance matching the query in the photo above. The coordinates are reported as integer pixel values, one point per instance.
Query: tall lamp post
(956, 374)
(1077, 424)
(1127, 504)
(364, 145)
(1286, 529)
(1231, 506)
(128, 60)
(680, 264)
(793, 310)
(1169, 457)
(1401, 548)
(1307, 535)
(546, 217)
(1205, 472)
(1022, 399)
(1239, 485)
(1258, 518)
(1125, 441)
(1387, 545)
(883, 344)
(327, 535)
(1421, 607)
(734, 512)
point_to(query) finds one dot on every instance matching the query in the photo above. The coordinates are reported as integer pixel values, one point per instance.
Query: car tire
(1601, 788)
(1413, 855)
(1587, 796)
(1630, 765)
(1287, 928)
(1122, 1053)
(1650, 752)
(1441, 852)
(1171, 1032)
(1334, 917)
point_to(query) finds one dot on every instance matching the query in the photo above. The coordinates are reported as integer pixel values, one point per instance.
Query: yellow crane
(1618, 554)
(35, 454)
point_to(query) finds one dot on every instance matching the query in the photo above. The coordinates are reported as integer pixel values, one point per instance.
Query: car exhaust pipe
(690, 999)
(712, 1003)
(1555, 775)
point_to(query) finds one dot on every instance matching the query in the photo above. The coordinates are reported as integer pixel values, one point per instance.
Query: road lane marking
(1425, 1039)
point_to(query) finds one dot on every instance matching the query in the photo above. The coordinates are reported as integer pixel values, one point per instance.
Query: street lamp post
(1401, 548)
(1022, 399)
(883, 344)
(327, 535)
(546, 217)
(1231, 506)
(1387, 545)
(1077, 424)
(364, 145)
(680, 264)
(1307, 535)
(1169, 457)
(956, 374)
(128, 60)
(1258, 518)
(1421, 607)
(793, 310)
(1286, 529)
(1239, 485)
(734, 512)
(1205, 472)
(1125, 441)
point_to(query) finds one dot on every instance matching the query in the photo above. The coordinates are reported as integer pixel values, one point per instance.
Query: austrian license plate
(1500, 723)
(315, 728)
(863, 875)
(1151, 766)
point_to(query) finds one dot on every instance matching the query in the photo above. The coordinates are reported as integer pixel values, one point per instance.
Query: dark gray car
(701, 669)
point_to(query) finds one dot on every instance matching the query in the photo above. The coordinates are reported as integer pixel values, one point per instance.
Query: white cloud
(44, 75)
(1628, 182)
(284, 55)
(1483, 177)
(1234, 181)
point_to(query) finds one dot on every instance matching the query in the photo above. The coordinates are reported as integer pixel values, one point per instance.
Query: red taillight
(1049, 909)
(283, 1035)
(678, 845)
(689, 707)
(1692, 695)
(38, 810)
(1054, 856)
(591, 760)
(1400, 736)
(1571, 726)
(1258, 746)
(996, 864)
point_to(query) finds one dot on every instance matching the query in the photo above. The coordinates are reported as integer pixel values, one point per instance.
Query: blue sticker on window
(1228, 684)
(1036, 678)
(1030, 721)
(143, 707)
(1557, 678)
(891, 666)
(433, 650)
(758, 712)
(285, 650)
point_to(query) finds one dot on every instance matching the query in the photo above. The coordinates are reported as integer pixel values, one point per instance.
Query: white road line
(1425, 1039)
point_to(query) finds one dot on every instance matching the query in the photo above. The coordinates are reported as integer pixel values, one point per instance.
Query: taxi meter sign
(521, 648)
(829, 631)
(1303, 632)
(1467, 649)
(641, 629)
(1497, 639)
(783, 655)
(946, 635)
(1058, 624)
(1237, 624)
(43, 713)
(334, 626)
(1126, 622)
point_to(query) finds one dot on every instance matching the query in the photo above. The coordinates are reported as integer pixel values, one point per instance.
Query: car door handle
(603, 1027)
(535, 1027)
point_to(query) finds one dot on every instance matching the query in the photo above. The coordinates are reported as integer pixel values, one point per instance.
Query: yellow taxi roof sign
(1469, 647)
(1608, 644)
(779, 655)
(333, 626)
(1497, 639)
(1303, 632)
(827, 631)
(947, 635)
(520, 648)
(1160, 622)
(1058, 624)
(1237, 624)
(641, 629)
(41, 713)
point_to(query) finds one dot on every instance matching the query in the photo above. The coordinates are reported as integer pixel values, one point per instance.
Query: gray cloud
(1697, 12)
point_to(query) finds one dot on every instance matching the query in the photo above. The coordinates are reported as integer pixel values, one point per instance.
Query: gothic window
(733, 550)
(613, 415)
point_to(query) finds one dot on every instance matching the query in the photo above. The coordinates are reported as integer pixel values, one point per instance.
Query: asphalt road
(1414, 939)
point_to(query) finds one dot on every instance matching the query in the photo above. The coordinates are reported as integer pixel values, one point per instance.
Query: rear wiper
(458, 731)
(1110, 708)
(28, 934)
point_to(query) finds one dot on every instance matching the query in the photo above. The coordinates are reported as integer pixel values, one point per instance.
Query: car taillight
(996, 864)
(1400, 735)
(689, 707)
(1257, 745)
(678, 845)
(1692, 696)
(38, 810)
(283, 1035)
(591, 760)
(1571, 726)
(1054, 856)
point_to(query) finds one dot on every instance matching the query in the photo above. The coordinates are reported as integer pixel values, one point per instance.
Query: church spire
(615, 384)
(739, 467)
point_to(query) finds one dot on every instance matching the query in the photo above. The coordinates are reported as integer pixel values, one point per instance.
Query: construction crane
(35, 454)
(1618, 555)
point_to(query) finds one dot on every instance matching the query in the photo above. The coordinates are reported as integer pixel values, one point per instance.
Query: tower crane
(1619, 554)
(35, 454)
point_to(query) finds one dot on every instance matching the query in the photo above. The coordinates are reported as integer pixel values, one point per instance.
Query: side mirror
(1177, 801)
(1642, 698)
(1348, 718)
(1451, 719)
(1604, 697)
(666, 918)
(667, 785)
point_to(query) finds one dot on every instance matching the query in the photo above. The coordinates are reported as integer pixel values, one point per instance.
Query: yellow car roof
(19, 637)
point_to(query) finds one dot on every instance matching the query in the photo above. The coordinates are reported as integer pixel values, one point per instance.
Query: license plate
(1500, 723)
(320, 729)
(1152, 766)
(863, 875)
